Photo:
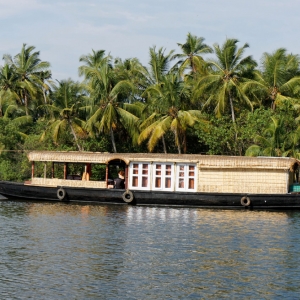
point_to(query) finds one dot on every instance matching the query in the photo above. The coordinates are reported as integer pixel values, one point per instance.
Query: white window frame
(186, 177)
(163, 176)
(140, 175)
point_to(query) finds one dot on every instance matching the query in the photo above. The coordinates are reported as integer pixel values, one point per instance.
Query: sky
(65, 30)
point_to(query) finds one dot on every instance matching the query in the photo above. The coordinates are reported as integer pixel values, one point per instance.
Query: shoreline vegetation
(199, 98)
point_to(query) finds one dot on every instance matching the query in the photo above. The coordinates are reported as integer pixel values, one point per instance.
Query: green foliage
(250, 125)
(223, 85)
(101, 144)
(217, 137)
(65, 113)
(191, 56)
(14, 166)
(275, 133)
(223, 105)
(27, 74)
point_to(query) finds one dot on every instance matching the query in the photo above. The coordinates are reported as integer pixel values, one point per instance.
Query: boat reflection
(141, 213)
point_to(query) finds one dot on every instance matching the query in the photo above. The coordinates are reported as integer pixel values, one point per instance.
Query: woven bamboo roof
(203, 161)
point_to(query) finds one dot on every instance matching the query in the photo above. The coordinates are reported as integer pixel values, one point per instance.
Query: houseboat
(160, 179)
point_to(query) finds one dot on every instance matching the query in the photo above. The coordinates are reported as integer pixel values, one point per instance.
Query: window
(139, 175)
(162, 176)
(186, 177)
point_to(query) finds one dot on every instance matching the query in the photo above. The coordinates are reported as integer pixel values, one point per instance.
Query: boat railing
(66, 182)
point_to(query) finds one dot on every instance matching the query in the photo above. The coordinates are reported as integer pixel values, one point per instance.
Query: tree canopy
(198, 98)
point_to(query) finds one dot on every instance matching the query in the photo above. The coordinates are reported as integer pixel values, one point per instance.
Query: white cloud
(65, 30)
(15, 7)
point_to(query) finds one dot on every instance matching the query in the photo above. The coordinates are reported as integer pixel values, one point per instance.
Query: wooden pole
(126, 176)
(65, 170)
(106, 175)
(52, 170)
(32, 169)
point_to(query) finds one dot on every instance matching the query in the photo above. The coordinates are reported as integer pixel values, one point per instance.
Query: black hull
(13, 190)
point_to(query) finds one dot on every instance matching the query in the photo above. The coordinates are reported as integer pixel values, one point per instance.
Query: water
(61, 251)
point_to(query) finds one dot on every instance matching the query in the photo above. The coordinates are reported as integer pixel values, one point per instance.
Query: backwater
(71, 251)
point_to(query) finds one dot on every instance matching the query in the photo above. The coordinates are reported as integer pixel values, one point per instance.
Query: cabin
(166, 172)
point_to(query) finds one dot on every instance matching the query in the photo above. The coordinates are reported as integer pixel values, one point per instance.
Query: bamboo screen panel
(243, 181)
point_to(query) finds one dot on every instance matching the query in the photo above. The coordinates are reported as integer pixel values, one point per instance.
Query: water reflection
(126, 252)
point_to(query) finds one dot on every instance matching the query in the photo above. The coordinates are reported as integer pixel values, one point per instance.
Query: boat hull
(13, 190)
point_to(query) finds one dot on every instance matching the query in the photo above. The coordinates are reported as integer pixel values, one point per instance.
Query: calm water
(60, 251)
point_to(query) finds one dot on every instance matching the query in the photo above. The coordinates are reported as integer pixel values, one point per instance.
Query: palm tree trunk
(273, 105)
(193, 65)
(113, 140)
(232, 114)
(164, 144)
(75, 137)
(26, 103)
(232, 108)
(184, 143)
(177, 141)
(44, 95)
(179, 148)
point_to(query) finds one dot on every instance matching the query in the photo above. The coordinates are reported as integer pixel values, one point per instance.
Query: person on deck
(120, 181)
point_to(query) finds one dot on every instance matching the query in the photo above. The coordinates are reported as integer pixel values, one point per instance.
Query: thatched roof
(240, 162)
(203, 161)
(105, 157)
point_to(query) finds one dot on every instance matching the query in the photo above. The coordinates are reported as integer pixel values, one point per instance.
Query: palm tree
(8, 96)
(152, 78)
(67, 100)
(133, 71)
(272, 142)
(47, 84)
(278, 79)
(159, 65)
(227, 74)
(168, 101)
(90, 61)
(28, 67)
(191, 57)
(107, 112)
(293, 148)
